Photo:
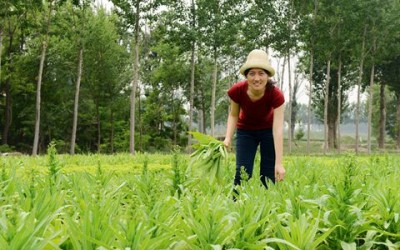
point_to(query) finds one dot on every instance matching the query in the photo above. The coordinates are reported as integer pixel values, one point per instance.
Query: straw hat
(257, 59)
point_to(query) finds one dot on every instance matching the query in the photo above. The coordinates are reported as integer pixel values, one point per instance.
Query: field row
(156, 202)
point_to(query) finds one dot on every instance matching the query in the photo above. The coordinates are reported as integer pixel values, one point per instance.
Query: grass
(347, 146)
(152, 202)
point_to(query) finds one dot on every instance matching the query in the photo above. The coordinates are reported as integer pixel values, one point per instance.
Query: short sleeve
(235, 92)
(278, 98)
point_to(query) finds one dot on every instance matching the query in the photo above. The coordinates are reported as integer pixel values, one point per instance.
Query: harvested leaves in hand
(209, 155)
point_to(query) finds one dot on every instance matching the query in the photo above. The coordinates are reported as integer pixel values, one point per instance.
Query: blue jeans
(247, 142)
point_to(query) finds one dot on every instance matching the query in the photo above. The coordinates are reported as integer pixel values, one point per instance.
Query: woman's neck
(255, 92)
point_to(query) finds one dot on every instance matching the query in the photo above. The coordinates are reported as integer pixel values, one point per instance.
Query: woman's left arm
(277, 130)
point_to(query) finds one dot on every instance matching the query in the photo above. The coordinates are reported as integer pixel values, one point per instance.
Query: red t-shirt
(255, 115)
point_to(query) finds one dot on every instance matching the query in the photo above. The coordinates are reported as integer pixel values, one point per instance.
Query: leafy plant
(209, 155)
(176, 179)
(53, 165)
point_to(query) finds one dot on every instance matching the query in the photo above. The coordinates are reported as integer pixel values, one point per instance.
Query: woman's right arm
(232, 121)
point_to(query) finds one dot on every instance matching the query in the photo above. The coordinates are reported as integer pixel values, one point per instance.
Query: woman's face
(257, 79)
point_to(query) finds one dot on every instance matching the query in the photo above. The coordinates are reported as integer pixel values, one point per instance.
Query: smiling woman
(256, 111)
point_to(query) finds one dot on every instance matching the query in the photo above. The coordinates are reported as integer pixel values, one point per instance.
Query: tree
(285, 42)
(217, 24)
(134, 12)
(390, 76)
(12, 18)
(80, 24)
(384, 50)
(307, 12)
(162, 109)
(48, 8)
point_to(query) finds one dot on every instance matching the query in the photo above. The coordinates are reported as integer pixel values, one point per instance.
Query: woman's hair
(247, 71)
(270, 82)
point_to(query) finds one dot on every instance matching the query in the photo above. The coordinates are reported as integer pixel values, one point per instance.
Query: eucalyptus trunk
(213, 93)
(326, 129)
(192, 71)
(311, 79)
(282, 73)
(339, 104)
(38, 97)
(332, 129)
(1, 50)
(362, 56)
(39, 81)
(7, 111)
(290, 135)
(191, 98)
(134, 83)
(202, 112)
(382, 116)
(371, 94)
(7, 88)
(140, 122)
(112, 129)
(309, 101)
(295, 105)
(175, 123)
(398, 123)
(76, 102)
(200, 121)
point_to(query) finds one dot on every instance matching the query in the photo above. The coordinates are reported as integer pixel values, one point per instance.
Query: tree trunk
(192, 71)
(326, 129)
(112, 131)
(339, 105)
(382, 117)
(38, 98)
(200, 121)
(359, 89)
(140, 122)
(7, 111)
(39, 82)
(1, 51)
(295, 108)
(98, 126)
(282, 73)
(76, 102)
(203, 120)
(175, 124)
(398, 123)
(191, 101)
(309, 101)
(371, 94)
(290, 135)
(311, 82)
(134, 82)
(214, 89)
(332, 128)
(7, 90)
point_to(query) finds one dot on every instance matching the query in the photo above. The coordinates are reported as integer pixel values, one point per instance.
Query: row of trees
(139, 74)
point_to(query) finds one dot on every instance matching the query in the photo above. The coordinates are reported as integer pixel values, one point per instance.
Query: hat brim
(258, 65)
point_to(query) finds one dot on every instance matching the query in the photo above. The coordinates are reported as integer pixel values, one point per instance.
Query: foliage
(299, 133)
(221, 31)
(209, 156)
(324, 203)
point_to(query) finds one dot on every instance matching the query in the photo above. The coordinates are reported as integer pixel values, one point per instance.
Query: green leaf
(348, 246)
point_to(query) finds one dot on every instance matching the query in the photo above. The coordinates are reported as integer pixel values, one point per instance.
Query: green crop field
(155, 202)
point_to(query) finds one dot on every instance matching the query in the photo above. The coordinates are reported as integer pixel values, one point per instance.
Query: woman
(256, 113)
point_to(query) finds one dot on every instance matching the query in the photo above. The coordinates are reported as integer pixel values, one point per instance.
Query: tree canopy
(123, 77)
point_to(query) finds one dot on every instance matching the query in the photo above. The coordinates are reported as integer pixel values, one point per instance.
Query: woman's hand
(279, 173)
(227, 143)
